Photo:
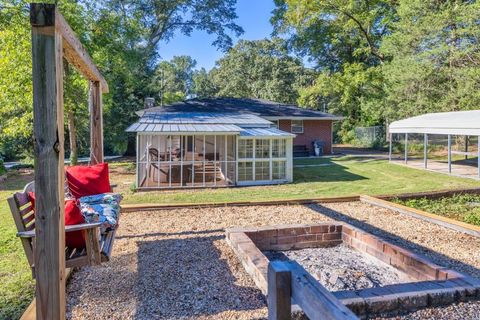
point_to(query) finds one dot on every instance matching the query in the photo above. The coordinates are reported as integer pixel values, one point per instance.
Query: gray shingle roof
(263, 108)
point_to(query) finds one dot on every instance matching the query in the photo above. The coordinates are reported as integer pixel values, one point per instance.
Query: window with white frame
(279, 170)
(245, 149)
(245, 171)
(262, 148)
(297, 126)
(279, 148)
(275, 123)
(262, 170)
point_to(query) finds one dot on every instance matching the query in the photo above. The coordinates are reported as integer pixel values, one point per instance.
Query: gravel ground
(342, 267)
(176, 264)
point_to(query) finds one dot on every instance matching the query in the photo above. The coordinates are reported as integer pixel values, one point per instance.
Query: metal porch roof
(264, 132)
(184, 128)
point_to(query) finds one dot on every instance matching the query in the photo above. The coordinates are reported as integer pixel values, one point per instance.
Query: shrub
(2, 167)
(472, 218)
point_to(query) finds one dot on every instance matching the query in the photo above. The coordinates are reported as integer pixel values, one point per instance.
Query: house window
(262, 148)
(262, 170)
(279, 148)
(245, 171)
(245, 149)
(275, 123)
(297, 126)
(279, 170)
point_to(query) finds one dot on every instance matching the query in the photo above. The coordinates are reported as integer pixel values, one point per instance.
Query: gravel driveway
(176, 264)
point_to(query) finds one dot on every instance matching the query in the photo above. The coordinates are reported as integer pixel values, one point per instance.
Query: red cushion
(75, 239)
(88, 180)
(73, 215)
(31, 197)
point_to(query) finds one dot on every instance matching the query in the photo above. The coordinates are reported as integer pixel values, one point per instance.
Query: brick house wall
(312, 130)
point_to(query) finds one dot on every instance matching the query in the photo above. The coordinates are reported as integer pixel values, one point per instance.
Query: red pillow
(31, 197)
(88, 180)
(73, 215)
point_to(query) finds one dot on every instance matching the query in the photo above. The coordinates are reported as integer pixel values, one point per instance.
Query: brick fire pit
(434, 285)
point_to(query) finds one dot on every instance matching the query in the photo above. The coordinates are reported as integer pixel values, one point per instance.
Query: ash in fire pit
(342, 267)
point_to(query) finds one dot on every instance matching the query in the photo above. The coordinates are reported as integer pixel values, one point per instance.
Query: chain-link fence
(370, 136)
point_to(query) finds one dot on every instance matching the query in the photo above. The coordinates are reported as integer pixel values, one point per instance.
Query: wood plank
(47, 74)
(76, 54)
(279, 291)
(423, 215)
(316, 301)
(96, 123)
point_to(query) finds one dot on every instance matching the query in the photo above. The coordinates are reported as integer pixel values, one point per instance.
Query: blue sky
(253, 17)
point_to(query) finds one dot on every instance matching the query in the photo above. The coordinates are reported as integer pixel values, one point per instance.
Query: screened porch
(175, 161)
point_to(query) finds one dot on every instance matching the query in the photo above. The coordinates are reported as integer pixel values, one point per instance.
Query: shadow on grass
(180, 278)
(437, 257)
(16, 180)
(328, 171)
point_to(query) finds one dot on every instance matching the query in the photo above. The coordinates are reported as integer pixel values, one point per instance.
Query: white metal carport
(466, 123)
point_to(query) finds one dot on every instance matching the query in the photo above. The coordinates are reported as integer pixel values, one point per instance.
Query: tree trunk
(131, 142)
(73, 137)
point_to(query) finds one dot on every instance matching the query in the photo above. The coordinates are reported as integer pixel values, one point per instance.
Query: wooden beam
(76, 54)
(316, 301)
(279, 291)
(47, 74)
(96, 123)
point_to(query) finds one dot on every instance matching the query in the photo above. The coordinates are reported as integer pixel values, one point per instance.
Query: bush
(472, 218)
(2, 167)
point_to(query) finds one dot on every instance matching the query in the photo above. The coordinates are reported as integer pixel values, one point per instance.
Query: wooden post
(279, 291)
(47, 73)
(96, 123)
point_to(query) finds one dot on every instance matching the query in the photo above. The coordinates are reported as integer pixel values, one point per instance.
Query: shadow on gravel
(180, 278)
(165, 234)
(436, 257)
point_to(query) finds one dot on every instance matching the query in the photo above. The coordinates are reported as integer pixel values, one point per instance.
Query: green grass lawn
(16, 284)
(334, 177)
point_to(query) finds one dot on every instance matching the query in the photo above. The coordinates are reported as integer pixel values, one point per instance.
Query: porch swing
(38, 225)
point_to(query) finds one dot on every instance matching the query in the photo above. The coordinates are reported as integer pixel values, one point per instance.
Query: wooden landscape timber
(52, 41)
(423, 215)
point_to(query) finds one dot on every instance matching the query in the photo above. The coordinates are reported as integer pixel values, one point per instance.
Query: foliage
(462, 207)
(434, 58)
(260, 69)
(173, 80)
(343, 39)
(2, 167)
(203, 86)
(121, 37)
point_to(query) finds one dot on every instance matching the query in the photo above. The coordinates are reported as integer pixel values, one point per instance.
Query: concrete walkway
(458, 169)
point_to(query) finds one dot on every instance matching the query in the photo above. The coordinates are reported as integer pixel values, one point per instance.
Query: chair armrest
(82, 226)
(26, 234)
(71, 228)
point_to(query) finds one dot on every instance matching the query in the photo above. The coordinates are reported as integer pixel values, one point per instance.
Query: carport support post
(406, 148)
(47, 75)
(478, 155)
(449, 153)
(390, 147)
(425, 148)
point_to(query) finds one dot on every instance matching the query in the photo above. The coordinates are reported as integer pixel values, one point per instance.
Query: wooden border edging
(159, 206)
(30, 312)
(287, 281)
(423, 215)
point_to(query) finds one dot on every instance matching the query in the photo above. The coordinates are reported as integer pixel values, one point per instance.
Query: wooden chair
(98, 246)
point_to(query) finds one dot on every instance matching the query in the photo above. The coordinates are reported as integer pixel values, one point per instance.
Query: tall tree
(343, 39)
(435, 58)
(203, 86)
(260, 69)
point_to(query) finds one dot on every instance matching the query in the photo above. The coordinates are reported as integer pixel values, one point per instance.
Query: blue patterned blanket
(103, 208)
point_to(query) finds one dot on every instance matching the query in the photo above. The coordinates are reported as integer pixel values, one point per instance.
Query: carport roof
(454, 123)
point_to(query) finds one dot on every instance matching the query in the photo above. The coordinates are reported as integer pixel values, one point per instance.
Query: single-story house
(225, 142)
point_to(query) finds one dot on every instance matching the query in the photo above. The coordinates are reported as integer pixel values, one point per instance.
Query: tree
(435, 58)
(173, 80)
(343, 39)
(260, 69)
(203, 86)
